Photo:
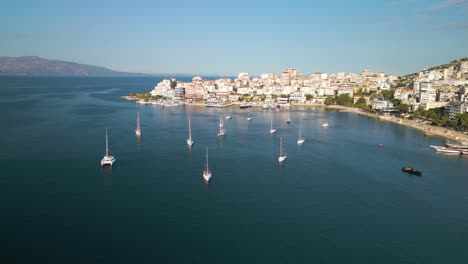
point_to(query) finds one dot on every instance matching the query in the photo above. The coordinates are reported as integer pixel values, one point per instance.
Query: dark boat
(411, 171)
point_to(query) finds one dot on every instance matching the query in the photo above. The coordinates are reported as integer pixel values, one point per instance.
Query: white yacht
(138, 128)
(282, 156)
(189, 139)
(221, 131)
(107, 159)
(206, 171)
(228, 117)
(325, 125)
(272, 130)
(300, 139)
(249, 118)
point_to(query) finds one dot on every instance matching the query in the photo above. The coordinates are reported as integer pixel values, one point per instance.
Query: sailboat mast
(107, 145)
(207, 168)
(300, 129)
(281, 146)
(189, 129)
(271, 123)
(220, 125)
(138, 121)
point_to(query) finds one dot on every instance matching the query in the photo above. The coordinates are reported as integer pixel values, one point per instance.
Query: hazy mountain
(36, 66)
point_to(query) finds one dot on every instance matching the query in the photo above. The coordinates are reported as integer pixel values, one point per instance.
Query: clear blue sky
(227, 37)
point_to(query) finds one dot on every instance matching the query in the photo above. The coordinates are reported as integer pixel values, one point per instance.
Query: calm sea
(339, 198)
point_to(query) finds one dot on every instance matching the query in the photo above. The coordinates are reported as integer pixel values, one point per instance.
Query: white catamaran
(282, 155)
(222, 131)
(300, 139)
(107, 160)
(272, 130)
(138, 128)
(206, 171)
(189, 139)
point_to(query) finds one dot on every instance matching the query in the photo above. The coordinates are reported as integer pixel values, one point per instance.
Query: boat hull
(281, 158)
(108, 161)
(445, 150)
(189, 142)
(411, 171)
(272, 131)
(300, 141)
(207, 176)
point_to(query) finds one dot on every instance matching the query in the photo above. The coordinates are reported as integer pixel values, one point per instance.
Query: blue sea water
(339, 198)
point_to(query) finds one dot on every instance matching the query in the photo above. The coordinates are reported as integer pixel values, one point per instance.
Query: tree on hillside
(387, 94)
(403, 108)
(361, 103)
(463, 120)
(344, 99)
(330, 100)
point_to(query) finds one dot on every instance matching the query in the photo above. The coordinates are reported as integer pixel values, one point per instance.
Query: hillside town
(437, 87)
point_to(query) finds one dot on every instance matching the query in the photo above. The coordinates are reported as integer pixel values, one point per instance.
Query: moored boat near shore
(245, 105)
(446, 150)
(451, 148)
(411, 171)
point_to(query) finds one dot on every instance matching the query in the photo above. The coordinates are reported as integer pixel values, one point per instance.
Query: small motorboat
(411, 171)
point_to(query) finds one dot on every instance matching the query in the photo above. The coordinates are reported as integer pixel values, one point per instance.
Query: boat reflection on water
(107, 170)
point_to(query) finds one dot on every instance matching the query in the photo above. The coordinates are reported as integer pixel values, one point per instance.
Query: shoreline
(428, 130)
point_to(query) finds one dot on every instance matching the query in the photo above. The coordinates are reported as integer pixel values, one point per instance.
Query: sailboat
(138, 128)
(249, 118)
(206, 171)
(189, 139)
(107, 160)
(300, 139)
(282, 156)
(222, 131)
(228, 117)
(289, 118)
(272, 130)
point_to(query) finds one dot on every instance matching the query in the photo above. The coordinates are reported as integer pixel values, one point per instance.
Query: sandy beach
(428, 130)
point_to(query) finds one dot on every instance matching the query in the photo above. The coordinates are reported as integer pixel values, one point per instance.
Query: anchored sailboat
(206, 171)
(107, 159)
(289, 118)
(300, 139)
(189, 139)
(138, 128)
(282, 156)
(222, 130)
(272, 130)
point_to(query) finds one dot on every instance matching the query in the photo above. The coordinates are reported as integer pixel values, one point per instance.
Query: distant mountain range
(36, 66)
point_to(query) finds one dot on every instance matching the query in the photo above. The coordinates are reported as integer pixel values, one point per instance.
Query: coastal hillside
(456, 65)
(36, 66)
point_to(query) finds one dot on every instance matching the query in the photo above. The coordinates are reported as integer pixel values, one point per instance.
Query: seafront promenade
(428, 130)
